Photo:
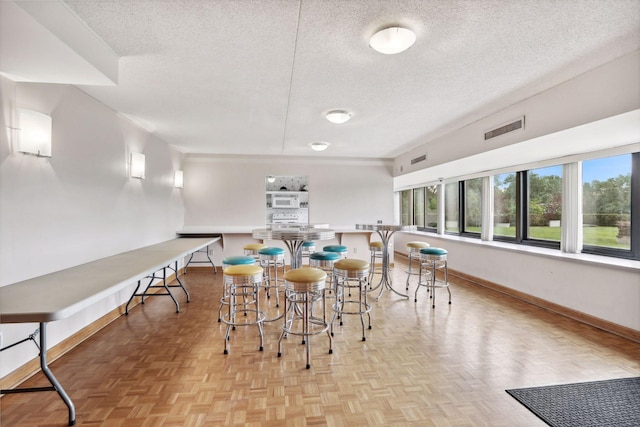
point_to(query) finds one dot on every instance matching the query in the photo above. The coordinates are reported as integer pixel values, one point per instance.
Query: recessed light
(338, 116)
(392, 40)
(319, 146)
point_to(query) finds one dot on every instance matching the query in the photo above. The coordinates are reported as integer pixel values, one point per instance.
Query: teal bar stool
(228, 262)
(308, 248)
(272, 260)
(324, 261)
(432, 260)
(339, 249)
(414, 254)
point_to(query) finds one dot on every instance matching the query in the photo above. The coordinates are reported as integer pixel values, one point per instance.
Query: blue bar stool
(339, 249)
(351, 274)
(243, 282)
(414, 253)
(432, 260)
(228, 262)
(324, 261)
(272, 260)
(308, 248)
(303, 287)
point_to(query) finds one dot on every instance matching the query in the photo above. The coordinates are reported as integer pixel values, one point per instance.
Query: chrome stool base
(351, 274)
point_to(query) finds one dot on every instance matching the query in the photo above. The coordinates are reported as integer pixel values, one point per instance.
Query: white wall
(80, 204)
(231, 190)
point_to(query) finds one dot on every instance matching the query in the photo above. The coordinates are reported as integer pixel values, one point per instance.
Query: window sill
(604, 261)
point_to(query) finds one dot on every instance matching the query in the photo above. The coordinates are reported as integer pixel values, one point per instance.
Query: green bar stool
(324, 261)
(308, 248)
(228, 262)
(351, 274)
(432, 260)
(272, 260)
(303, 287)
(243, 282)
(414, 254)
(339, 249)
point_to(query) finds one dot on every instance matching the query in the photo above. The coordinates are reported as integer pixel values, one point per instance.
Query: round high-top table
(293, 237)
(385, 231)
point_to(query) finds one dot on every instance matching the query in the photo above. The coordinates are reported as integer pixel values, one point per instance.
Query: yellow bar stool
(351, 274)
(243, 283)
(228, 262)
(303, 287)
(375, 248)
(414, 254)
(253, 249)
(272, 260)
(432, 260)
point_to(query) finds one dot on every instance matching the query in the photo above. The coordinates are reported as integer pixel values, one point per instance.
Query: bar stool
(414, 253)
(228, 262)
(272, 260)
(346, 272)
(303, 287)
(375, 248)
(252, 249)
(308, 248)
(324, 261)
(243, 282)
(339, 249)
(432, 260)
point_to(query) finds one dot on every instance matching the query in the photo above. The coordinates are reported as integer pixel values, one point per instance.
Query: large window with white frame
(527, 206)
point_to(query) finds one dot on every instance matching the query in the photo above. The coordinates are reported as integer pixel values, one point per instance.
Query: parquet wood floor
(447, 366)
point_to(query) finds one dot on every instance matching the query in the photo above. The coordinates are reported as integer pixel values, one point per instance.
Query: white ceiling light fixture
(338, 116)
(319, 146)
(392, 40)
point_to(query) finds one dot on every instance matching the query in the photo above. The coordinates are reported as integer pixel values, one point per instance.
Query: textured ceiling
(256, 76)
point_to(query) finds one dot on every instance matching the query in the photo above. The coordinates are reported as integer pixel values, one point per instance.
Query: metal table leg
(386, 280)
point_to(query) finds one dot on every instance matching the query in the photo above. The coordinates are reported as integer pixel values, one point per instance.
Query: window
(606, 203)
(431, 220)
(451, 206)
(472, 200)
(504, 206)
(418, 207)
(405, 207)
(544, 205)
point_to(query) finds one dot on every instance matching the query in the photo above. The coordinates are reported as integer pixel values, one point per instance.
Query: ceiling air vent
(419, 159)
(510, 127)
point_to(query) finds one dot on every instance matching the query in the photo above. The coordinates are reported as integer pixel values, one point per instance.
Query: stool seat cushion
(325, 256)
(417, 245)
(335, 248)
(254, 246)
(351, 264)
(433, 251)
(376, 245)
(239, 260)
(308, 244)
(243, 270)
(305, 275)
(271, 251)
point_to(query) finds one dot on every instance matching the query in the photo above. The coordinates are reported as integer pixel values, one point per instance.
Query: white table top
(386, 227)
(60, 294)
(294, 233)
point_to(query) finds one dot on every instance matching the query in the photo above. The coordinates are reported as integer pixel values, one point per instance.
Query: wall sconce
(34, 133)
(178, 181)
(137, 165)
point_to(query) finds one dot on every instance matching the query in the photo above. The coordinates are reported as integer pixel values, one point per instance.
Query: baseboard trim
(32, 367)
(596, 322)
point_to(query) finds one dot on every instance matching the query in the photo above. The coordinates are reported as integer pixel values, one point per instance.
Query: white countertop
(63, 293)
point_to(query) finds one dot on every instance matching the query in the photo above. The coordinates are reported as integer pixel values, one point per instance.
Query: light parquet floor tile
(419, 366)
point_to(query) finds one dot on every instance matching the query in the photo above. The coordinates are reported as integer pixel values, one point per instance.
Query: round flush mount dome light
(392, 40)
(338, 116)
(319, 146)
